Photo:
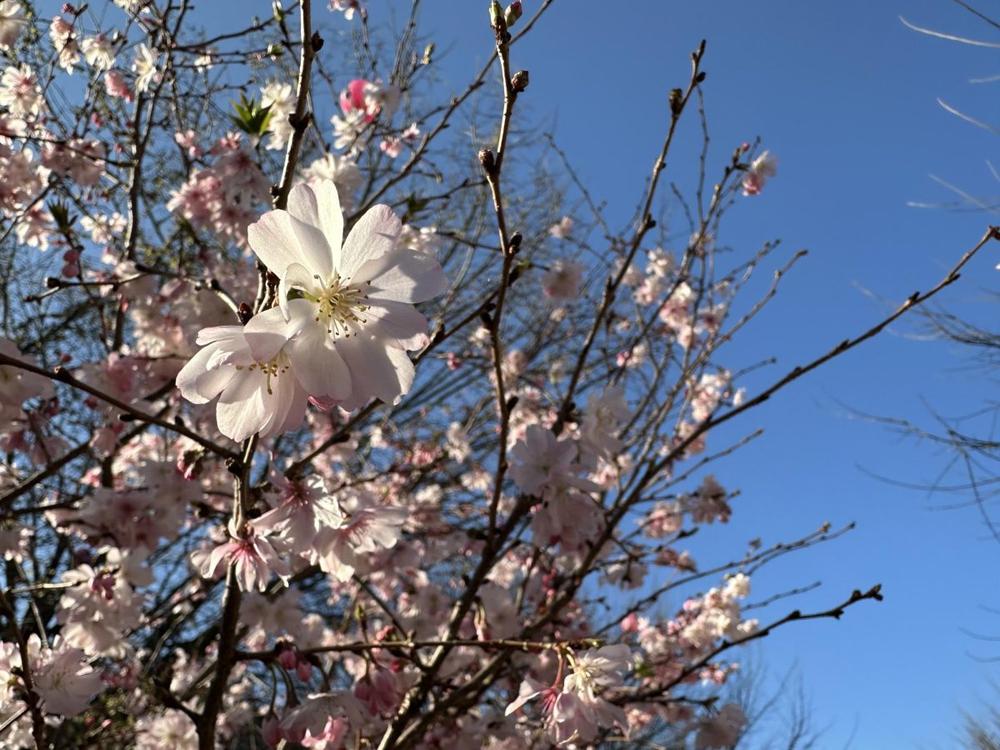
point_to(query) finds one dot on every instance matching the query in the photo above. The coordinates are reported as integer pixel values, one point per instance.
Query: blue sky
(845, 96)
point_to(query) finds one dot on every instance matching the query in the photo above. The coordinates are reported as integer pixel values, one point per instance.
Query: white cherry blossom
(258, 390)
(350, 301)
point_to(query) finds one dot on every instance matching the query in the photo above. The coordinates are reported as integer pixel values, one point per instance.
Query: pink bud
(353, 97)
(630, 623)
(288, 658)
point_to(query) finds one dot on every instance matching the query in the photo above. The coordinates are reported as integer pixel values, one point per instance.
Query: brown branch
(874, 593)
(62, 375)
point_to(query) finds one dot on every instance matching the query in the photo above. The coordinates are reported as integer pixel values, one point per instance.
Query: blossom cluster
(296, 452)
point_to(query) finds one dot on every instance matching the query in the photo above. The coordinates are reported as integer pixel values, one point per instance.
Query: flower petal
(241, 411)
(318, 365)
(297, 276)
(372, 237)
(279, 239)
(318, 204)
(376, 370)
(404, 276)
(214, 334)
(395, 320)
(193, 383)
(267, 332)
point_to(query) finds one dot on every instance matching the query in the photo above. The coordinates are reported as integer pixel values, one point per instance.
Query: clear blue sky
(845, 96)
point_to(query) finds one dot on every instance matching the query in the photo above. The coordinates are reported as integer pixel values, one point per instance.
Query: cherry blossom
(562, 280)
(116, 85)
(146, 68)
(252, 496)
(366, 529)
(280, 99)
(20, 92)
(252, 557)
(12, 22)
(258, 393)
(342, 170)
(61, 677)
(64, 40)
(763, 168)
(576, 711)
(98, 52)
(562, 228)
(347, 7)
(355, 318)
(98, 610)
(323, 721)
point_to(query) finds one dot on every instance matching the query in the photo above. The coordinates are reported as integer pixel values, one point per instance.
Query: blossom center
(340, 306)
(271, 369)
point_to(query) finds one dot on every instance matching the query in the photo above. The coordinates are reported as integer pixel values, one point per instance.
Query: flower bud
(496, 14)
(676, 101)
(487, 160)
(512, 13)
(519, 81)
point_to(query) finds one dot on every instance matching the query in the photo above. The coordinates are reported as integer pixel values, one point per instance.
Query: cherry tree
(322, 428)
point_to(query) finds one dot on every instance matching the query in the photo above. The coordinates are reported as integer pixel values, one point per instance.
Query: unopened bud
(487, 160)
(519, 81)
(512, 13)
(496, 14)
(676, 101)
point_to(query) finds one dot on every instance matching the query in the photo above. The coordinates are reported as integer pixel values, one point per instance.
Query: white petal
(240, 411)
(404, 276)
(376, 370)
(213, 334)
(318, 365)
(296, 410)
(372, 237)
(296, 276)
(319, 205)
(197, 382)
(267, 332)
(395, 320)
(277, 402)
(279, 239)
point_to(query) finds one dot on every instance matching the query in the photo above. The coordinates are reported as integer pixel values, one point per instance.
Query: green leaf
(251, 117)
(61, 215)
